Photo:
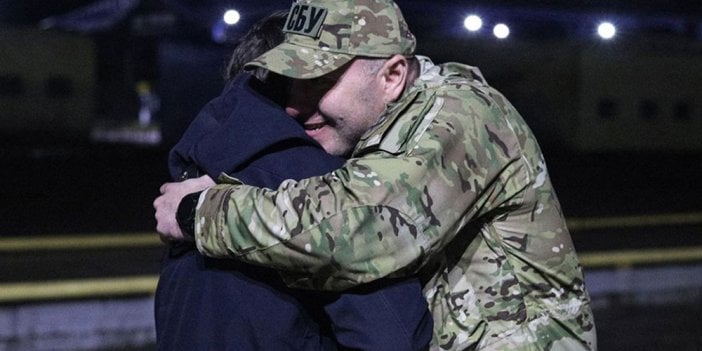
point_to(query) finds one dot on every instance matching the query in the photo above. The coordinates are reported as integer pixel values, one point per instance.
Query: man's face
(338, 108)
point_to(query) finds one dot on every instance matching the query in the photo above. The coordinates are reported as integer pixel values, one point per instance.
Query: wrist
(185, 215)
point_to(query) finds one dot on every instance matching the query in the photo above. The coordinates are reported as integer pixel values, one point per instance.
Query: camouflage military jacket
(451, 185)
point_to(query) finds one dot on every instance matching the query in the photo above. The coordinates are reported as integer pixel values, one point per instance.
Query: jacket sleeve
(382, 214)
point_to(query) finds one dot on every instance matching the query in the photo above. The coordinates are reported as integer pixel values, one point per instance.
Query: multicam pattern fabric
(371, 28)
(452, 186)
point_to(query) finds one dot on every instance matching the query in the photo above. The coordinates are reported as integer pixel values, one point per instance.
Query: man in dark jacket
(243, 133)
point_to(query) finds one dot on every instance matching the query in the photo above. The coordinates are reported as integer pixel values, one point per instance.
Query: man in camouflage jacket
(449, 183)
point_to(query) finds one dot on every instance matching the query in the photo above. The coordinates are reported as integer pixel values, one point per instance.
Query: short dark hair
(266, 34)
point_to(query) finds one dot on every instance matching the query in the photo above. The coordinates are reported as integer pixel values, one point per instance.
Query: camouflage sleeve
(381, 214)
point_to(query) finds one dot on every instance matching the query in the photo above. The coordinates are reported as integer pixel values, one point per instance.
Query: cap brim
(299, 62)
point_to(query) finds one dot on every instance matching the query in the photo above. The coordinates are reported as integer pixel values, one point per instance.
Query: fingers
(157, 202)
(166, 205)
(168, 227)
(207, 181)
(166, 224)
(187, 186)
(164, 188)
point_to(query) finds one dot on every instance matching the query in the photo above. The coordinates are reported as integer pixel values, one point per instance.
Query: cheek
(334, 104)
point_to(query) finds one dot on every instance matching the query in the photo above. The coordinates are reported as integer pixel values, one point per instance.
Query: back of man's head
(263, 36)
(324, 35)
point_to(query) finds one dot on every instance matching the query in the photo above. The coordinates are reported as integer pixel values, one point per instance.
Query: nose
(302, 99)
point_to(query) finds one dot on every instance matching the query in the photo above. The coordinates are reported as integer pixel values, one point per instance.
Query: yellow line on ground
(79, 288)
(627, 258)
(580, 224)
(143, 285)
(80, 242)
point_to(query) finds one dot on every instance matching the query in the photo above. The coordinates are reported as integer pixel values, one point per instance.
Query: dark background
(58, 181)
(64, 180)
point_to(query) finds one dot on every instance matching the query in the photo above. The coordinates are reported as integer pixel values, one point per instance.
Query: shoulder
(467, 107)
(463, 90)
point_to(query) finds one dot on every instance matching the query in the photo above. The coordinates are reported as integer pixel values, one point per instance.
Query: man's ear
(394, 75)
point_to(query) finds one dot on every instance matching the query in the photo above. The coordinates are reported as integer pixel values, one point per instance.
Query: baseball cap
(323, 35)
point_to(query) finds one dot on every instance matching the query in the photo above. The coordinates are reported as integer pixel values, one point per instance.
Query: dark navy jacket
(204, 303)
(243, 134)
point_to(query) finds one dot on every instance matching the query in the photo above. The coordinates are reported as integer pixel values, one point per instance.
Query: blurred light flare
(501, 31)
(473, 23)
(231, 17)
(606, 30)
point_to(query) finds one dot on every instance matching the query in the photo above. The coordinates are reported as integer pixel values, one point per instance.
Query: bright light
(501, 31)
(231, 17)
(473, 23)
(606, 30)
